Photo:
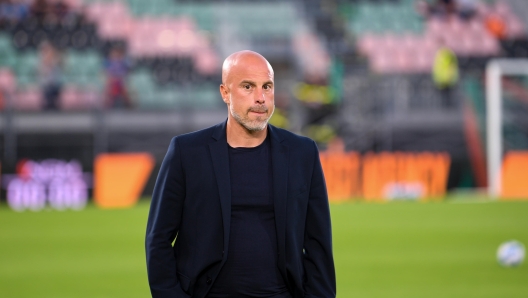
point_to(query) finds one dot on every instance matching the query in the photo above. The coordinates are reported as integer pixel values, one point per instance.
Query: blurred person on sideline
(246, 202)
(445, 73)
(117, 67)
(50, 74)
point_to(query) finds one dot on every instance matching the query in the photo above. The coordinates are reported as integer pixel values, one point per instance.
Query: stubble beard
(258, 124)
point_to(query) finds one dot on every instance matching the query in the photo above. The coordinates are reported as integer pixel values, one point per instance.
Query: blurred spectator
(40, 9)
(50, 74)
(11, 12)
(438, 8)
(117, 67)
(46, 12)
(60, 9)
(495, 25)
(445, 6)
(445, 74)
(467, 9)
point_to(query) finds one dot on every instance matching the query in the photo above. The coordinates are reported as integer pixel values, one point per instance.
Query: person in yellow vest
(445, 74)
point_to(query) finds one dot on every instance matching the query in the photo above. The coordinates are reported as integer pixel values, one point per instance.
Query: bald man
(240, 209)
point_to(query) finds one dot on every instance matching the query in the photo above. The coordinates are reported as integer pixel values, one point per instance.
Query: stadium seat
(515, 27)
(489, 46)
(381, 64)
(75, 5)
(7, 52)
(8, 81)
(71, 99)
(79, 98)
(26, 68)
(163, 37)
(28, 98)
(206, 62)
(167, 98)
(423, 60)
(84, 69)
(206, 96)
(119, 27)
(381, 17)
(367, 43)
(112, 18)
(142, 88)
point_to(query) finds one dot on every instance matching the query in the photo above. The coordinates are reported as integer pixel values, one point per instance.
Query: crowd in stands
(455, 35)
(39, 35)
(63, 54)
(44, 12)
(495, 21)
(465, 9)
(70, 54)
(11, 11)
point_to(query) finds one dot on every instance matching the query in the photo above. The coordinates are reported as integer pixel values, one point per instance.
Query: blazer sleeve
(163, 225)
(318, 259)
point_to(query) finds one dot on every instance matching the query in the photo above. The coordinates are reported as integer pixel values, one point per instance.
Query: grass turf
(402, 249)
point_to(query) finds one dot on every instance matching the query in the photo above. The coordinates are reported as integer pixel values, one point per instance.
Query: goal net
(507, 126)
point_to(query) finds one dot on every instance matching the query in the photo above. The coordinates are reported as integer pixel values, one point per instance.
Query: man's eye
(247, 87)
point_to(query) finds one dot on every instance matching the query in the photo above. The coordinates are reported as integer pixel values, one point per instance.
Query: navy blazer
(191, 206)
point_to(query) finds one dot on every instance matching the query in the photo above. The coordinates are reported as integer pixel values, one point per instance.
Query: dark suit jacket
(192, 203)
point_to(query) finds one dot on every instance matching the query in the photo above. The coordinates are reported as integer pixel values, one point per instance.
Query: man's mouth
(259, 111)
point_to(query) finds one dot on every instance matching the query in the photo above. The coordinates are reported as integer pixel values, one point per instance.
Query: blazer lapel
(279, 160)
(220, 158)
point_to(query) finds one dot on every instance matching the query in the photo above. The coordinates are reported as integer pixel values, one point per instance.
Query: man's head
(248, 89)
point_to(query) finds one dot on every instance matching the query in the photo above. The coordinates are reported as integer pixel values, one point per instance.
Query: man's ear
(224, 92)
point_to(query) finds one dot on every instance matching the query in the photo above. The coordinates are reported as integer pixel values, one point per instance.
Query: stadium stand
(374, 56)
(390, 102)
(173, 40)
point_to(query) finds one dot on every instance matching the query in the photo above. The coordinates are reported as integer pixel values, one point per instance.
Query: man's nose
(259, 96)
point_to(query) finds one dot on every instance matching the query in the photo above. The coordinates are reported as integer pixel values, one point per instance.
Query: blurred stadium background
(393, 91)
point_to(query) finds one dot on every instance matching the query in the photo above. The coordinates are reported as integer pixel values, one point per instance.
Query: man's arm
(318, 257)
(163, 225)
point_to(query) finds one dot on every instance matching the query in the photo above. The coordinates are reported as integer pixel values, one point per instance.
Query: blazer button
(208, 281)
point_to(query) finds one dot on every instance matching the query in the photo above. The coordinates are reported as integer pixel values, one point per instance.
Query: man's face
(249, 93)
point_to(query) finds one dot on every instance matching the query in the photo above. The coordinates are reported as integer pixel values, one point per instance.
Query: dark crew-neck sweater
(251, 267)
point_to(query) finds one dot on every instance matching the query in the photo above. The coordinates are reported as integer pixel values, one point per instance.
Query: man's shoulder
(199, 136)
(203, 136)
(291, 138)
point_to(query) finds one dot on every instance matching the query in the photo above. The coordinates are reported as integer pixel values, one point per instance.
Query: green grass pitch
(443, 249)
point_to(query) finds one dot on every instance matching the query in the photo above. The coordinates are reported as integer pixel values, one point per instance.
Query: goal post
(495, 69)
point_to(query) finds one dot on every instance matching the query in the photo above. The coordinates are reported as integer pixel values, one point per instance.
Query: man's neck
(239, 136)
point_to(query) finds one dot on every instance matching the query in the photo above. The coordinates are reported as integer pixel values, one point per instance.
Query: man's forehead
(246, 63)
(250, 75)
(251, 70)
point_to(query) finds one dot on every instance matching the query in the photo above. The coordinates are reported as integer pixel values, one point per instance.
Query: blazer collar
(219, 131)
(220, 158)
(279, 167)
